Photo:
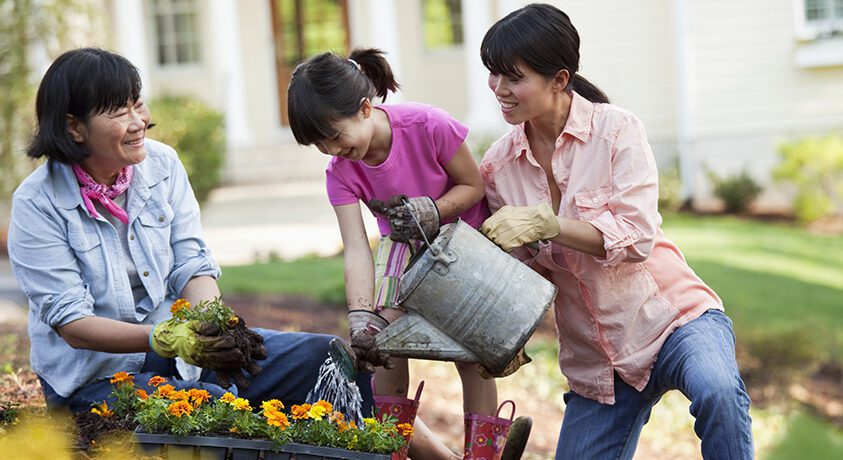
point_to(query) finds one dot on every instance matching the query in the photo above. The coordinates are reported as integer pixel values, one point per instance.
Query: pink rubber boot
(403, 409)
(485, 435)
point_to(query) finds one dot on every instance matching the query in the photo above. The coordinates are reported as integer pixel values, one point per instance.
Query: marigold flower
(141, 393)
(228, 397)
(277, 418)
(325, 405)
(232, 320)
(198, 397)
(272, 404)
(166, 390)
(337, 417)
(179, 305)
(406, 429)
(316, 412)
(352, 425)
(157, 380)
(233, 429)
(102, 410)
(300, 411)
(122, 377)
(241, 404)
(180, 408)
(341, 426)
(181, 395)
(369, 421)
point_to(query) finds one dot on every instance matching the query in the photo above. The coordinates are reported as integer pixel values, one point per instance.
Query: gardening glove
(363, 325)
(196, 342)
(519, 360)
(400, 212)
(251, 344)
(512, 226)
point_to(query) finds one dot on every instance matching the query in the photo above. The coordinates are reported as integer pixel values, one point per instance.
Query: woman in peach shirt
(576, 179)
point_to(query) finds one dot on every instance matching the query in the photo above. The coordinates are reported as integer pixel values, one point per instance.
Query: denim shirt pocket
(91, 260)
(156, 222)
(592, 203)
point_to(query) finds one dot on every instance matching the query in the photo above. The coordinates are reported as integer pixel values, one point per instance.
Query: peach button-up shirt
(612, 314)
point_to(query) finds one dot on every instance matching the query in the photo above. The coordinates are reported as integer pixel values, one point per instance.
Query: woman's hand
(512, 227)
(198, 343)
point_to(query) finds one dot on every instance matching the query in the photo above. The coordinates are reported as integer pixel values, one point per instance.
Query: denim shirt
(70, 264)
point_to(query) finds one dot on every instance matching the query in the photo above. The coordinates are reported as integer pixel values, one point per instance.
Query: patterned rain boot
(485, 435)
(403, 409)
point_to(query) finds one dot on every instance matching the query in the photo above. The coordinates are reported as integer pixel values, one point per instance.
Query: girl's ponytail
(588, 89)
(375, 67)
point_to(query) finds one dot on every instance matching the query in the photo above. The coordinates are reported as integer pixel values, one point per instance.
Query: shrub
(197, 133)
(737, 191)
(670, 188)
(815, 167)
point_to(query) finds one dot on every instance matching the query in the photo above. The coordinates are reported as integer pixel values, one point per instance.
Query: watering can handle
(508, 401)
(421, 230)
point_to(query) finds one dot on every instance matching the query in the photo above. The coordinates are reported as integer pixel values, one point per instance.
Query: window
(817, 19)
(442, 23)
(176, 31)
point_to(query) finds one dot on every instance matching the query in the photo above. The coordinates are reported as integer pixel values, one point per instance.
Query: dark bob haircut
(542, 37)
(82, 82)
(329, 88)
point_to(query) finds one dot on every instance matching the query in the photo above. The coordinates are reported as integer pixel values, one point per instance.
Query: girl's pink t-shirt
(424, 140)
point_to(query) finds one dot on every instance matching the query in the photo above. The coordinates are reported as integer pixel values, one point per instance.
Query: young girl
(576, 174)
(400, 160)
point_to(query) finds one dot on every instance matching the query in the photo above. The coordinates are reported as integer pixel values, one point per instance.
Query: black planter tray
(218, 448)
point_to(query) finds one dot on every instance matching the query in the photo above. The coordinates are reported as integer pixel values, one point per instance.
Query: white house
(718, 83)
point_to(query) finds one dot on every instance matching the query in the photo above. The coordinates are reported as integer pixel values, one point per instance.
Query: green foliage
(208, 311)
(9, 412)
(670, 188)
(784, 355)
(442, 23)
(737, 191)
(815, 167)
(808, 437)
(197, 133)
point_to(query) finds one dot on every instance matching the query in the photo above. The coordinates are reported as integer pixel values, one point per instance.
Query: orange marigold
(228, 397)
(337, 417)
(180, 395)
(179, 305)
(157, 380)
(241, 404)
(406, 429)
(180, 408)
(102, 410)
(328, 407)
(166, 390)
(341, 426)
(141, 393)
(198, 397)
(272, 404)
(277, 418)
(122, 377)
(300, 411)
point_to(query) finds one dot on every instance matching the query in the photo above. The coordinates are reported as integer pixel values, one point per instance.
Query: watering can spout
(343, 357)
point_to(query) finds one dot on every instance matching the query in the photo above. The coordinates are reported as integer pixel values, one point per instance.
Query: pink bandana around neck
(92, 189)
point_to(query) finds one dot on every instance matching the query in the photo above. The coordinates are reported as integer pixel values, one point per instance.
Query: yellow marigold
(241, 404)
(325, 405)
(228, 397)
(353, 443)
(233, 429)
(300, 411)
(179, 305)
(199, 397)
(232, 320)
(157, 380)
(122, 377)
(180, 408)
(102, 410)
(277, 418)
(181, 395)
(141, 393)
(272, 404)
(166, 390)
(369, 421)
(406, 429)
(316, 412)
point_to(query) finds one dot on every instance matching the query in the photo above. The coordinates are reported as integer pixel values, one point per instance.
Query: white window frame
(815, 29)
(169, 39)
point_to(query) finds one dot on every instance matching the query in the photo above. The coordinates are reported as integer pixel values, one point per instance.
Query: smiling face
(353, 136)
(524, 98)
(114, 138)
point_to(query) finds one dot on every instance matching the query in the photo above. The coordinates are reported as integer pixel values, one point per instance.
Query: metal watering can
(466, 300)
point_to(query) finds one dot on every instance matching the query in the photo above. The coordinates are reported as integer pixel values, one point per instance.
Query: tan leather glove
(363, 325)
(512, 226)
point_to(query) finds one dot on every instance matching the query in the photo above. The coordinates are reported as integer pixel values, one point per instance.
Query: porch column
(385, 36)
(225, 24)
(130, 38)
(484, 115)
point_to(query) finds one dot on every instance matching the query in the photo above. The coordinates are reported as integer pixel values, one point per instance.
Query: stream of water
(343, 394)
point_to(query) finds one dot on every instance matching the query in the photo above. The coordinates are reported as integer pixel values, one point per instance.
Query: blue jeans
(698, 359)
(289, 373)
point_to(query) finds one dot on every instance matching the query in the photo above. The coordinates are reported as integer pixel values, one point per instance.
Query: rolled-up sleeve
(45, 266)
(191, 255)
(630, 224)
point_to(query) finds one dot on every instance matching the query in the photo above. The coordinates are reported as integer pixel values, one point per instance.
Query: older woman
(106, 234)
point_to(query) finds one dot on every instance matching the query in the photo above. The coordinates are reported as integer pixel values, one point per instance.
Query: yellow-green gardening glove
(198, 343)
(515, 226)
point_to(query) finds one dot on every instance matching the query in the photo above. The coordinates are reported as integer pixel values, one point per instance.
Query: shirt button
(145, 273)
(132, 237)
(594, 200)
(161, 219)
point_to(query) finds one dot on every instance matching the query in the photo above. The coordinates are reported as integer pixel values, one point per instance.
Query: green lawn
(316, 277)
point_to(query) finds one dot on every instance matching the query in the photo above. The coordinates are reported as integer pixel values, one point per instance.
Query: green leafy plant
(815, 167)
(670, 188)
(737, 191)
(9, 412)
(197, 133)
(210, 311)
